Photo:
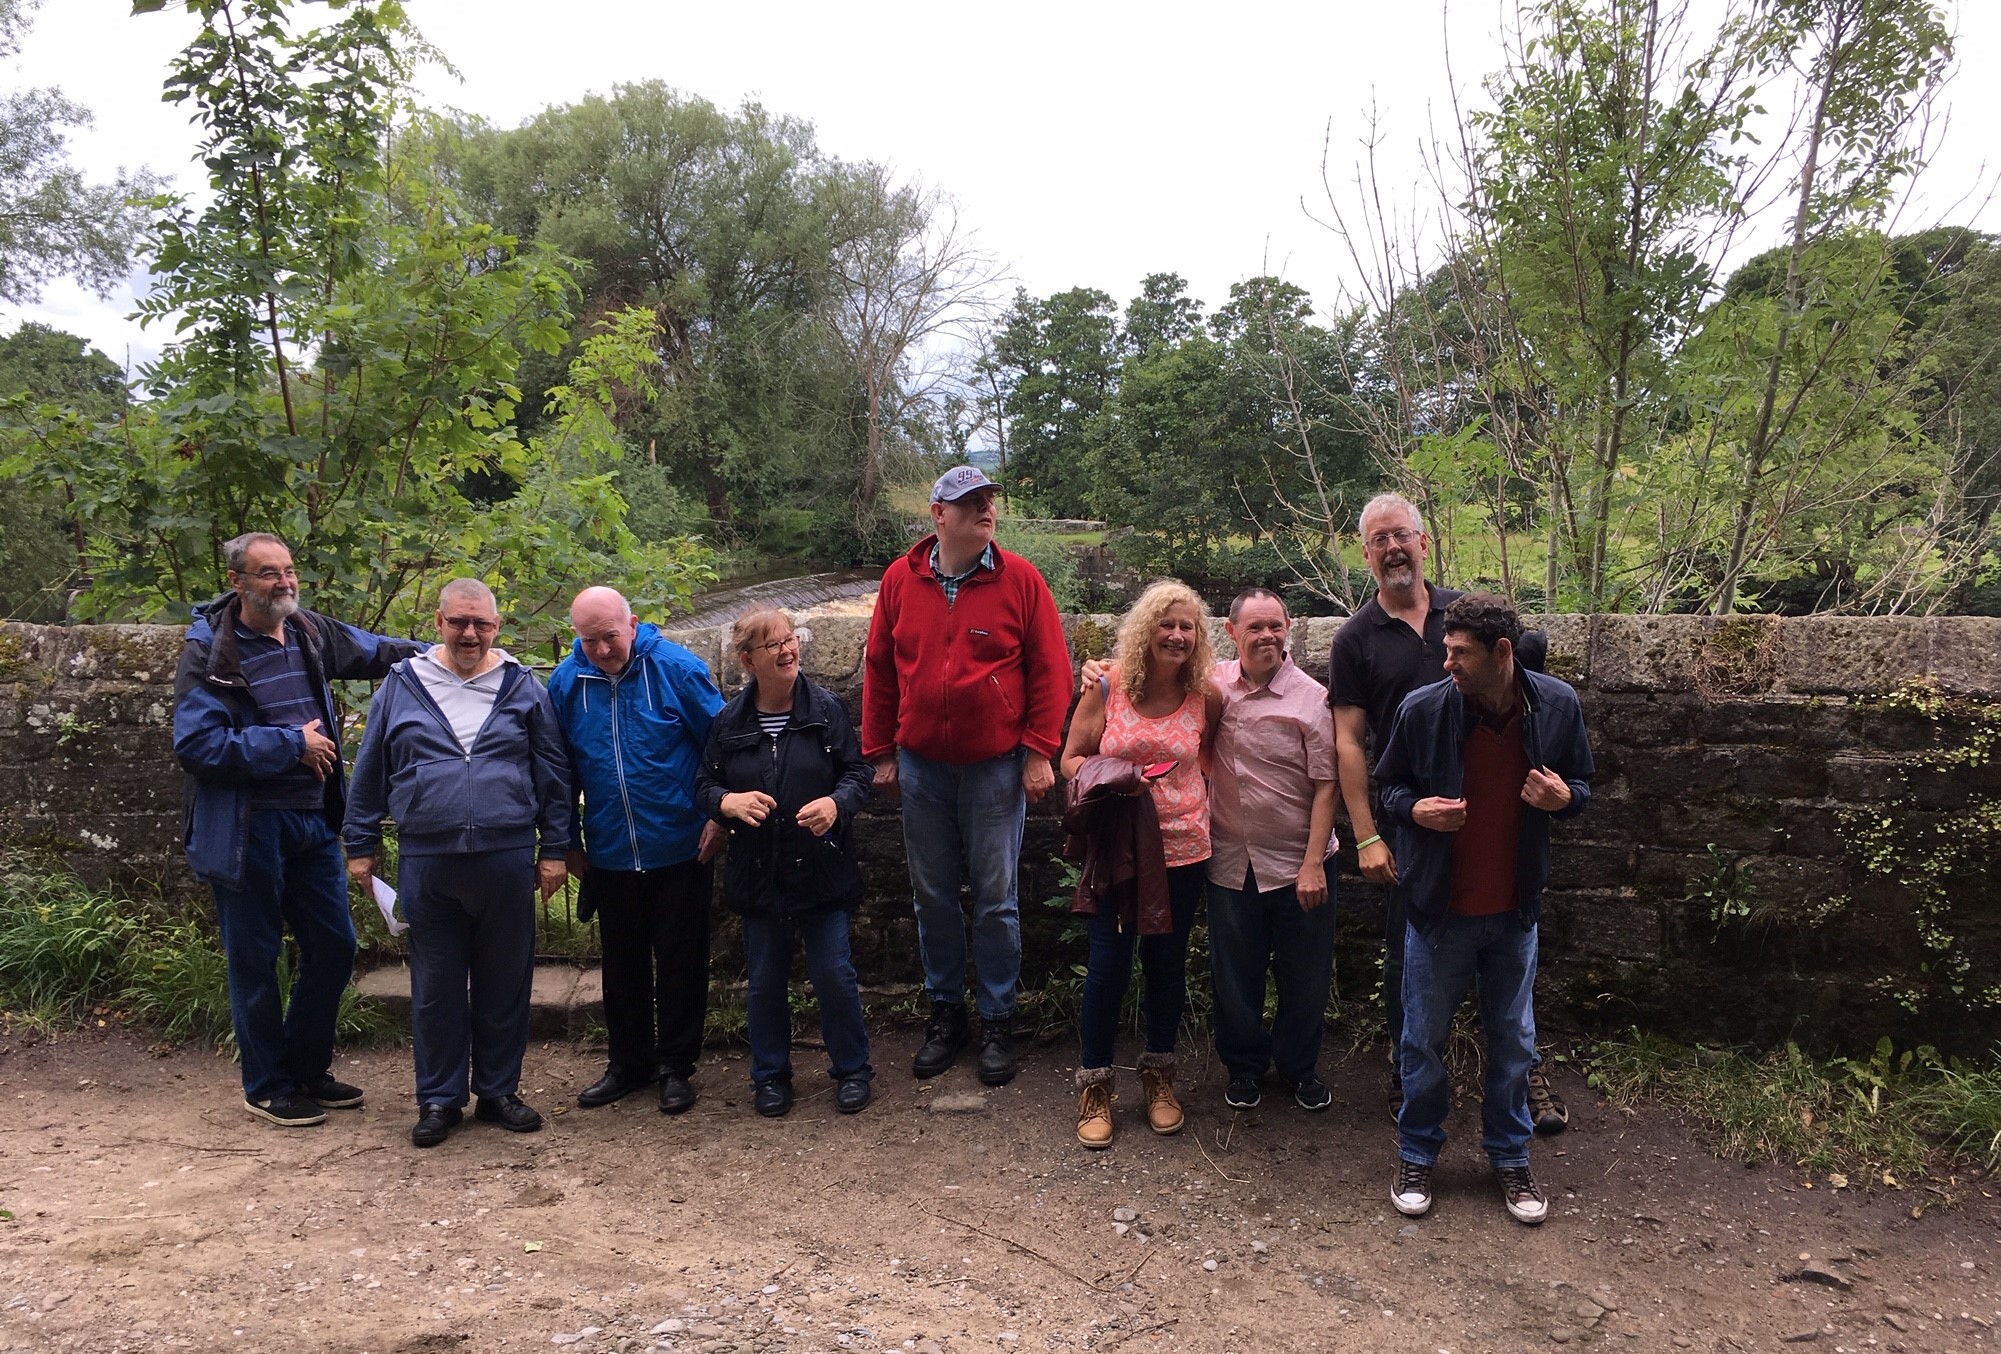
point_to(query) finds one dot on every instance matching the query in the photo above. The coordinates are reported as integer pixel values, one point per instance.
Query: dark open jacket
(1113, 829)
(778, 868)
(1426, 756)
(223, 747)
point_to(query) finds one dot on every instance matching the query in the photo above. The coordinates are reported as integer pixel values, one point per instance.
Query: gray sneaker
(1525, 1200)
(1412, 1191)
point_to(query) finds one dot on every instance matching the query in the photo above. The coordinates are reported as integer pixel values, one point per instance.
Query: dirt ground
(151, 1212)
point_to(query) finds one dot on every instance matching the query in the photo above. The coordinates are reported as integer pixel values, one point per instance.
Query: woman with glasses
(784, 773)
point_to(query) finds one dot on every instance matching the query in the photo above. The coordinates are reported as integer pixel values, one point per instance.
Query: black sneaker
(434, 1124)
(287, 1111)
(1242, 1093)
(511, 1112)
(1525, 1200)
(1311, 1093)
(944, 1037)
(329, 1094)
(997, 1060)
(1546, 1108)
(772, 1099)
(1412, 1192)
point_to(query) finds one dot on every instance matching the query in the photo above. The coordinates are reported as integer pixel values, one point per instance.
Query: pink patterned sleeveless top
(1181, 797)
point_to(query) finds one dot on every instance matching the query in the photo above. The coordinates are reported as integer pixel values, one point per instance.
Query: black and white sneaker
(1412, 1192)
(329, 1094)
(1525, 1200)
(1242, 1093)
(287, 1111)
(1311, 1093)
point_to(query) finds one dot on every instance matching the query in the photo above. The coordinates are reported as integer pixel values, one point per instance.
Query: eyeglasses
(1401, 536)
(276, 575)
(778, 645)
(464, 623)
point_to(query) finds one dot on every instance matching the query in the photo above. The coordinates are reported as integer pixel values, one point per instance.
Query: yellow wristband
(1368, 842)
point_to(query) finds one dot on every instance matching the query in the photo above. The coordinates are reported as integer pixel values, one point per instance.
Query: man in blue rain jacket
(635, 710)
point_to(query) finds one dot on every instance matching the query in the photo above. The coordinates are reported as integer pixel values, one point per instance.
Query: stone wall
(1715, 889)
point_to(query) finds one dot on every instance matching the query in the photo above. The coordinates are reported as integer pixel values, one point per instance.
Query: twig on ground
(1025, 1250)
(1235, 1180)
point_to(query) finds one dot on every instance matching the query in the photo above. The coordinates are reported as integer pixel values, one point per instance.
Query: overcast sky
(1087, 143)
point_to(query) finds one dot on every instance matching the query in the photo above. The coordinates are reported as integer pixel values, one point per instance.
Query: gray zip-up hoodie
(505, 790)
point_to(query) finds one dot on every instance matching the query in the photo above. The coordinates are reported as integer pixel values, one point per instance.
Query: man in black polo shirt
(254, 729)
(1393, 645)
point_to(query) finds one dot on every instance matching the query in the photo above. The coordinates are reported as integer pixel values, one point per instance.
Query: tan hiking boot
(1156, 1079)
(1094, 1107)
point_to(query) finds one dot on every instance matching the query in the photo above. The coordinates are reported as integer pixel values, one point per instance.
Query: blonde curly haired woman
(1156, 706)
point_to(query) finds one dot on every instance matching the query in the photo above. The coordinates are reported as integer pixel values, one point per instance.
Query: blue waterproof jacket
(635, 743)
(1426, 756)
(225, 750)
(511, 787)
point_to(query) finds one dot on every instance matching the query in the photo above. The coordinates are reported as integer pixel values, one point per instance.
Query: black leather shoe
(853, 1094)
(997, 1061)
(944, 1037)
(434, 1124)
(676, 1095)
(773, 1099)
(511, 1112)
(615, 1084)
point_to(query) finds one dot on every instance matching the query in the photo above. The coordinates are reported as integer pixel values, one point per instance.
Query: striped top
(1180, 797)
(283, 690)
(773, 725)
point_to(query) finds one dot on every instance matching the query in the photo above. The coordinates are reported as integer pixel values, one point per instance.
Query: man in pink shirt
(1273, 786)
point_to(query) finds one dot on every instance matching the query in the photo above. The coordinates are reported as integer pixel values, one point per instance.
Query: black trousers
(655, 928)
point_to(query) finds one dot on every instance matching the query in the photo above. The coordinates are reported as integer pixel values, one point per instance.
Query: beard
(273, 608)
(1400, 576)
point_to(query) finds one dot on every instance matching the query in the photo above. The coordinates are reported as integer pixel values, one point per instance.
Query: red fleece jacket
(971, 681)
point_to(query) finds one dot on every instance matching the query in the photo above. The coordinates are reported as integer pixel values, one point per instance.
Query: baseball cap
(959, 481)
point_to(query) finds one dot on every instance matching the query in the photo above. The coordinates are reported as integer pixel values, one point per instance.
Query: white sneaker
(1412, 1192)
(1524, 1198)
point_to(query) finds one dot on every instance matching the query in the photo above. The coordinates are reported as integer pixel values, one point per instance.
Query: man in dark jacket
(462, 750)
(255, 730)
(1474, 770)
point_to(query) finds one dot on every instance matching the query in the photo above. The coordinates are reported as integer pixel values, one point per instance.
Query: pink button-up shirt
(1273, 743)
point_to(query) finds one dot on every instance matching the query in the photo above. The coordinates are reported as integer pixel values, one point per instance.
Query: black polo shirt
(1378, 660)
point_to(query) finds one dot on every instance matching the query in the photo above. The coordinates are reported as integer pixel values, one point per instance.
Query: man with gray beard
(1391, 646)
(255, 730)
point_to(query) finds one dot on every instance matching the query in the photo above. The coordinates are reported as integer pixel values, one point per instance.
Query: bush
(61, 943)
(66, 947)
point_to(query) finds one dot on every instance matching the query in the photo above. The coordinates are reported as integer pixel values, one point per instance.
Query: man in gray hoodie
(462, 750)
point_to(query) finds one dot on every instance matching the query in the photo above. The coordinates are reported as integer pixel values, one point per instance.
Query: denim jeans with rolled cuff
(1163, 962)
(1496, 957)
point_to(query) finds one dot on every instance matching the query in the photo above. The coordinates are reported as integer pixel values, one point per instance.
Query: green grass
(68, 951)
(1885, 1116)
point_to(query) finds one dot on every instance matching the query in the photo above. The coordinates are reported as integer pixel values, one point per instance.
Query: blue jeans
(1497, 958)
(1252, 934)
(1163, 962)
(767, 954)
(472, 968)
(963, 823)
(293, 876)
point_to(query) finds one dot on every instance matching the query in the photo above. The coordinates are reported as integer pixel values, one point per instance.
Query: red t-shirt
(1483, 851)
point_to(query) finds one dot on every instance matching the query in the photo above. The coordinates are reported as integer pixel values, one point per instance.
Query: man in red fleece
(965, 687)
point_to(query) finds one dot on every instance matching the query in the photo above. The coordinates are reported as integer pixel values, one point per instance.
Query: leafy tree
(1058, 365)
(53, 220)
(43, 554)
(348, 360)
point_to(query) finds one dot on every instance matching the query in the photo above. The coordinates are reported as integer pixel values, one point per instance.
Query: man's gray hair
(469, 588)
(236, 550)
(1389, 503)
